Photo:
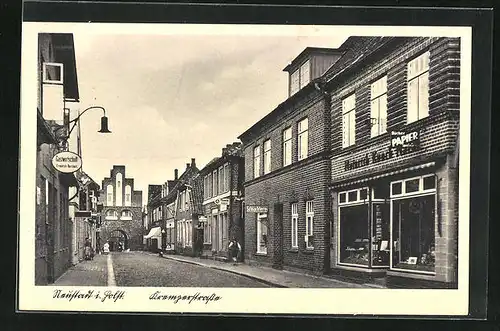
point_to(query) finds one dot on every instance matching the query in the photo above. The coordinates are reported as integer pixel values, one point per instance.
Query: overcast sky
(170, 98)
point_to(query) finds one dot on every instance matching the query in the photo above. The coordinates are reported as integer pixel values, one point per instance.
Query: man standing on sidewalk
(235, 250)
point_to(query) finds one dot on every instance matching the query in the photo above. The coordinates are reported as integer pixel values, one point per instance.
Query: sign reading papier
(67, 162)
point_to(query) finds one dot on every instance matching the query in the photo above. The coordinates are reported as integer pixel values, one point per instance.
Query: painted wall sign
(257, 209)
(401, 143)
(67, 162)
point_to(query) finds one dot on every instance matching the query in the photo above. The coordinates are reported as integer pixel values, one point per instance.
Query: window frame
(350, 114)
(267, 156)
(310, 218)
(416, 77)
(303, 139)
(45, 79)
(420, 193)
(256, 161)
(287, 146)
(378, 96)
(294, 208)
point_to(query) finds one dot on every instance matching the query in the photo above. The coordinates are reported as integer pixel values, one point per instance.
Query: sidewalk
(278, 278)
(86, 273)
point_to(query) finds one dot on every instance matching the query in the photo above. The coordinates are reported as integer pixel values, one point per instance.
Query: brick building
(287, 172)
(160, 209)
(122, 211)
(223, 179)
(56, 84)
(188, 209)
(394, 172)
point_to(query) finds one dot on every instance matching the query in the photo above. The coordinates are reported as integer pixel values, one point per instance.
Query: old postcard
(204, 168)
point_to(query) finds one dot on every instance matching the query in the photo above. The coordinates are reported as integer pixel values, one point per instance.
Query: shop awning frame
(154, 232)
(384, 174)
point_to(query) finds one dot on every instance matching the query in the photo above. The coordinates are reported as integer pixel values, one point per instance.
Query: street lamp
(104, 119)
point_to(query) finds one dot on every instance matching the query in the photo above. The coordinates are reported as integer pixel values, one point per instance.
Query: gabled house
(222, 203)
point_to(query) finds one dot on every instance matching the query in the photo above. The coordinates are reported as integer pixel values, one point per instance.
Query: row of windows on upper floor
(417, 101)
(110, 195)
(217, 182)
(418, 108)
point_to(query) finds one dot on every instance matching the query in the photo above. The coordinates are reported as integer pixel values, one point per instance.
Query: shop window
(294, 225)
(287, 147)
(364, 227)
(309, 224)
(349, 121)
(256, 162)
(413, 221)
(396, 188)
(379, 107)
(267, 156)
(262, 233)
(302, 139)
(418, 88)
(354, 234)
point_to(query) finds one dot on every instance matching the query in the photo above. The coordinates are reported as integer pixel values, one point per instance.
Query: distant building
(159, 233)
(122, 211)
(222, 201)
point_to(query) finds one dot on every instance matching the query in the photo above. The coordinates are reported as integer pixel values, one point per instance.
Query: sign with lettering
(67, 162)
(257, 209)
(83, 213)
(401, 143)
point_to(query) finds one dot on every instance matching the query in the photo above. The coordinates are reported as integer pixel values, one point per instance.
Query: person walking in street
(88, 254)
(234, 250)
(106, 248)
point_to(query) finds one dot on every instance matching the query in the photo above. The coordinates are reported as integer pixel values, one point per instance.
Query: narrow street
(144, 269)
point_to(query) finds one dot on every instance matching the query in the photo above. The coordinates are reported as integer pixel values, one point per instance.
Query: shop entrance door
(278, 236)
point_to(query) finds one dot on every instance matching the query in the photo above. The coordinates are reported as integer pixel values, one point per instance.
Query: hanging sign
(257, 209)
(67, 162)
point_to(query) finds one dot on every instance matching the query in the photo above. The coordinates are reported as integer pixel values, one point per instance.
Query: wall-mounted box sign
(67, 162)
(257, 209)
(401, 143)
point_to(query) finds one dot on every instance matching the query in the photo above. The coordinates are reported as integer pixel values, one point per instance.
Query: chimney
(193, 163)
(224, 151)
(176, 174)
(187, 165)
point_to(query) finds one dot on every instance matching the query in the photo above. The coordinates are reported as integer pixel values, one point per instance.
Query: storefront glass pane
(413, 233)
(396, 188)
(354, 234)
(363, 194)
(412, 185)
(342, 197)
(381, 235)
(381, 191)
(353, 195)
(429, 182)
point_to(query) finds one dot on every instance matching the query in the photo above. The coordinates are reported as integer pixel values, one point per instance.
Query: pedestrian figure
(234, 250)
(106, 248)
(88, 254)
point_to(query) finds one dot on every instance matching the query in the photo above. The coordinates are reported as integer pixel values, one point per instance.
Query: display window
(413, 205)
(364, 227)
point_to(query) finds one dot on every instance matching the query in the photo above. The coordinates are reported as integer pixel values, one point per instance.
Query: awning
(385, 174)
(154, 232)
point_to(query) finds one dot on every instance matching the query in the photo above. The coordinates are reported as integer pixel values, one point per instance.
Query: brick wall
(306, 183)
(444, 76)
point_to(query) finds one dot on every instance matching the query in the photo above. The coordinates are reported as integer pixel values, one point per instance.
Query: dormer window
(300, 77)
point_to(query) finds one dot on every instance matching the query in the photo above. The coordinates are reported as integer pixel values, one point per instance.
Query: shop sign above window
(401, 143)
